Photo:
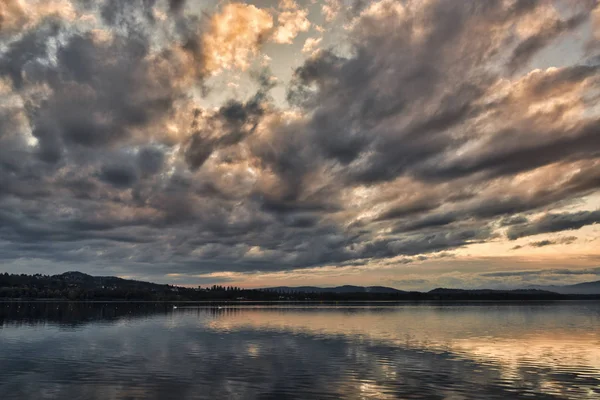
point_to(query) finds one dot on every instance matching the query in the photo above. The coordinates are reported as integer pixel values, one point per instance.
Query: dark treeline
(79, 286)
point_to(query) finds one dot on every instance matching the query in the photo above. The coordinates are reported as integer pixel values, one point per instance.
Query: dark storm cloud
(554, 223)
(430, 221)
(302, 221)
(176, 5)
(99, 93)
(582, 143)
(118, 175)
(513, 220)
(150, 160)
(426, 243)
(355, 110)
(24, 53)
(408, 208)
(357, 116)
(35, 230)
(482, 208)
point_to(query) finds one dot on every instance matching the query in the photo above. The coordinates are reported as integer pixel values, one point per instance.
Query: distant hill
(491, 291)
(579, 288)
(440, 294)
(86, 281)
(79, 286)
(336, 289)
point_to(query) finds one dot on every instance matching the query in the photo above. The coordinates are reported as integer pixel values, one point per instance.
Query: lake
(289, 351)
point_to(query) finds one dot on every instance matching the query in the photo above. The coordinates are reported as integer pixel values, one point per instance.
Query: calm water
(406, 351)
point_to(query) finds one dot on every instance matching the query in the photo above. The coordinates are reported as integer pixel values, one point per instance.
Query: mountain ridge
(336, 289)
(76, 285)
(592, 287)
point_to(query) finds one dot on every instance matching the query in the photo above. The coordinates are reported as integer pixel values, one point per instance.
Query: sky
(411, 144)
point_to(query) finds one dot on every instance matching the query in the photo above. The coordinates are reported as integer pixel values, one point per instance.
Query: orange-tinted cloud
(290, 23)
(18, 15)
(311, 44)
(234, 36)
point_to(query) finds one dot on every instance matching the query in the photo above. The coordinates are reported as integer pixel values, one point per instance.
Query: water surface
(352, 351)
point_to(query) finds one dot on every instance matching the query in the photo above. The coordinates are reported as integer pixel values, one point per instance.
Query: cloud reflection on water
(429, 352)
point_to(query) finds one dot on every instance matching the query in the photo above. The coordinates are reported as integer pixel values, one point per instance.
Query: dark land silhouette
(80, 286)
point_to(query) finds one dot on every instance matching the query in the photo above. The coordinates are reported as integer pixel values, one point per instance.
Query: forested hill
(80, 286)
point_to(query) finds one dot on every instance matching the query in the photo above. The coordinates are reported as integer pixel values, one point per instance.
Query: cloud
(513, 220)
(554, 223)
(311, 44)
(176, 5)
(409, 282)
(412, 122)
(103, 93)
(541, 243)
(231, 124)
(563, 240)
(596, 22)
(118, 176)
(17, 16)
(290, 23)
(235, 34)
(546, 242)
(540, 39)
(413, 130)
(150, 160)
(330, 9)
(288, 5)
(590, 271)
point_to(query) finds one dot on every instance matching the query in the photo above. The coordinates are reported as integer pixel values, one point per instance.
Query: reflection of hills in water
(75, 313)
(83, 313)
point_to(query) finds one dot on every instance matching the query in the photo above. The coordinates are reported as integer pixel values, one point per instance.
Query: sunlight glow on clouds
(290, 24)
(235, 35)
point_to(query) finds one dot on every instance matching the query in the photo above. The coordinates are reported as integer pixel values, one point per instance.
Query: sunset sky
(411, 144)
